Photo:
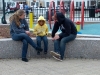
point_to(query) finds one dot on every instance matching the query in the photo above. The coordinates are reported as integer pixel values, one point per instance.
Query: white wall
(67, 0)
(39, 1)
(80, 1)
(50, 1)
(45, 1)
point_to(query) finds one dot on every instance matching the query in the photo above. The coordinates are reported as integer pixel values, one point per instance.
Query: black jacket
(66, 26)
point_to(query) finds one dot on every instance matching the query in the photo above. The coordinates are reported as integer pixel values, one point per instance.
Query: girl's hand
(28, 32)
(39, 33)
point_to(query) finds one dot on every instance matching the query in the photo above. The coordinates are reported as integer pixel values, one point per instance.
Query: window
(87, 4)
(58, 2)
(84, 4)
(37, 4)
(76, 4)
(32, 3)
(80, 4)
(47, 4)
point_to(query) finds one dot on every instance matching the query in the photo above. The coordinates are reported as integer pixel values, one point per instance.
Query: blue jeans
(45, 40)
(25, 39)
(59, 45)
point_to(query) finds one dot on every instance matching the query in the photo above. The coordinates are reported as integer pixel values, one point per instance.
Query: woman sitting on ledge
(19, 31)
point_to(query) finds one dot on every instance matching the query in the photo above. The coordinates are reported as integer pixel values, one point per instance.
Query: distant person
(41, 5)
(68, 33)
(66, 8)
(26, 7)
(8, 8)
(19, 31)
(21, 6)
(17, 6)
(41, 32)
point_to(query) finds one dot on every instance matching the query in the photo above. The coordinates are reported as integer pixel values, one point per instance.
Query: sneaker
(25, 59)
(57, 58)
(54, 54)
(39, 49)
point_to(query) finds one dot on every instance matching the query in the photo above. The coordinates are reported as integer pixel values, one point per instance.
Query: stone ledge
(79, 48)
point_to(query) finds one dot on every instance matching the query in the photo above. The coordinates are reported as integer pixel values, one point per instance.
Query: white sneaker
(57, 58)
(54, 54)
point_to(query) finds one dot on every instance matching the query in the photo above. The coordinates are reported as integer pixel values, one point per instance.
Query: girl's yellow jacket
(41, 30)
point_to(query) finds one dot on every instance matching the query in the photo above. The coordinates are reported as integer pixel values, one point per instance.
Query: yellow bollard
(31, 20)
(78, 26)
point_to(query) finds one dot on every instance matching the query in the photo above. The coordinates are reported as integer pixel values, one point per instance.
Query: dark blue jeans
(59, 45)
(45, 40)
(25, 39)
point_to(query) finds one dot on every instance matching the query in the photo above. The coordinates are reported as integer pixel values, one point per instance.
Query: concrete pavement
(42, 66)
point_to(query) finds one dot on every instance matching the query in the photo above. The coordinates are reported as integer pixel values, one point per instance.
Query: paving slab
(50, 67)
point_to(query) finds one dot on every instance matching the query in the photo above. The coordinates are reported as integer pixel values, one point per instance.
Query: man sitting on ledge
(68, 34)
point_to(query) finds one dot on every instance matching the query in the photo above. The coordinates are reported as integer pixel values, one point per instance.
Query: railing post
(3, 18)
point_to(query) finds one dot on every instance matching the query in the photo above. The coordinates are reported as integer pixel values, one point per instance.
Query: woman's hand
(28, 32)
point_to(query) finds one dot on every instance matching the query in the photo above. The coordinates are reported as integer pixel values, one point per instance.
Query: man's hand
(28, 32)
(56, 37)
(53, 39)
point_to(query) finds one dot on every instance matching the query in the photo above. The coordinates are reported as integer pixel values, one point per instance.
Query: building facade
(77, 3)
(12, 2)
(46, 3)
